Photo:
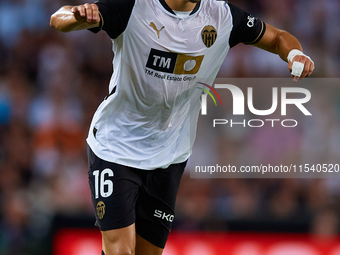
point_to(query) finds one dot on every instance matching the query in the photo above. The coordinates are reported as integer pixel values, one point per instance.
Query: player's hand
(307, 70)
(88, 13)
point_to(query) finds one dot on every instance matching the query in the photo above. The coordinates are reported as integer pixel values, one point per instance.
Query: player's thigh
(114, 190)
(119, 241)
(155, 207)
(144, 247)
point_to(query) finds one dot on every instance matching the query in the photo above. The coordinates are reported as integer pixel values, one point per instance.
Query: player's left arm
(288, 48)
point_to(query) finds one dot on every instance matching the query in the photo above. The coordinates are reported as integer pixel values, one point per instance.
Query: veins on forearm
(285, 42)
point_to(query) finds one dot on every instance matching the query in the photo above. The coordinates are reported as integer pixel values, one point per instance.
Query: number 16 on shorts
(102, 183)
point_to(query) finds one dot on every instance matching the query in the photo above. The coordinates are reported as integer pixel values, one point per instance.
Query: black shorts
(124, 195)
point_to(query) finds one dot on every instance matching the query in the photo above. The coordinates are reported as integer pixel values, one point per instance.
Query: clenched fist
(86, 13)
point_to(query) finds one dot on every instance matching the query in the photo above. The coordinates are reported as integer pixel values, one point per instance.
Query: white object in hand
(297, 68)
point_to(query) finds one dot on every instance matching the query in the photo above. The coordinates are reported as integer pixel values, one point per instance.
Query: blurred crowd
(51, 84)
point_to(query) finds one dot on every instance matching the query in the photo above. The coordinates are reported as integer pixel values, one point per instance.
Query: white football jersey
(149, 119)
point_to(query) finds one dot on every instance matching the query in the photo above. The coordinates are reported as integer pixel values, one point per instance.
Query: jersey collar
(166, 6)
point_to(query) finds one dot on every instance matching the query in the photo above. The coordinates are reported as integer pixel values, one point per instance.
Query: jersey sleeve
(246, 28)
(114, 16)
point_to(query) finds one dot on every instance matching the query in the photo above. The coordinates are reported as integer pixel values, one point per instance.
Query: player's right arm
(71, 18)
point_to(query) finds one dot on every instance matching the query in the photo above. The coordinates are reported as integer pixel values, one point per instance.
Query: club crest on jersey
(100, 209)
(209, 35)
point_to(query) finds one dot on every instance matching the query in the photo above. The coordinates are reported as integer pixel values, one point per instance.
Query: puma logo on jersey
(155, 28)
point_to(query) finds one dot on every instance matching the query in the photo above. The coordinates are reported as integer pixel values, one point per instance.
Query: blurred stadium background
(50, 85)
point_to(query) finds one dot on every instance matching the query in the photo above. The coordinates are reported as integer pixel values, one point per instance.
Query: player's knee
(126, 252)
(119, 248)
(119, 241)
(121, 251)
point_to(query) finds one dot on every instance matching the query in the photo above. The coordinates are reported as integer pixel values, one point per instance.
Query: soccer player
(142, 133)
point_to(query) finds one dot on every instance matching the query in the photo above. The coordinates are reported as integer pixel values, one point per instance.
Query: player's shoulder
(215, 7)
(215, 4)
